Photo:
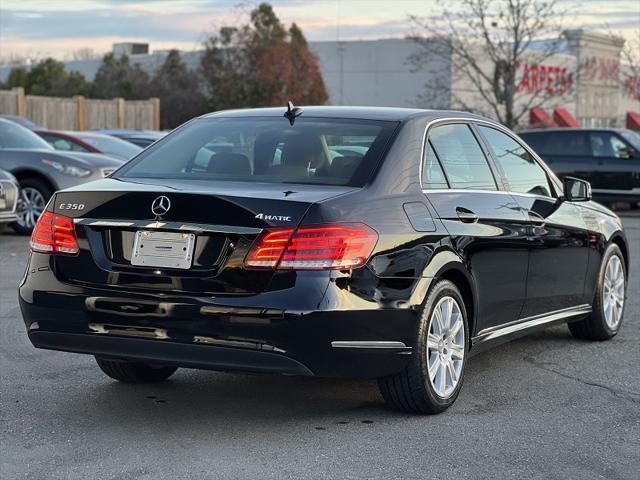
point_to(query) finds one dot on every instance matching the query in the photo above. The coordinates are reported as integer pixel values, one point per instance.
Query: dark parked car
(41, 170)
(608, 158)
(90, 142)
(291, 252)
(9, 198)
(141, 138)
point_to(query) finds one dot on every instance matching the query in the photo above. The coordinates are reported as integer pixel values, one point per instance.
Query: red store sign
(532, 78)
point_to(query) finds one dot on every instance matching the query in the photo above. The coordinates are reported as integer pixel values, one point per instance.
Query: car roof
(361, 113)
(22, 121)
(88, 134)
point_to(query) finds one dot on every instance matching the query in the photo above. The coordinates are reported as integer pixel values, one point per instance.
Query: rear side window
(522, 172)
(461, 157)
(433, 176)
(569, 143)
(320, 151)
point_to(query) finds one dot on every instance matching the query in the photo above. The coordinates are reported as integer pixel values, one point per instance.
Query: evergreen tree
(179, 91)
(116, 77)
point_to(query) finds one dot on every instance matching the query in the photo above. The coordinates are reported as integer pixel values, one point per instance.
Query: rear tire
(134, 372)
(431, 382)
(609, 303)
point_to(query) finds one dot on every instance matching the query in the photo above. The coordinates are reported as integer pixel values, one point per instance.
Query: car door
(617, 164)
(558, 238)
(486, 226)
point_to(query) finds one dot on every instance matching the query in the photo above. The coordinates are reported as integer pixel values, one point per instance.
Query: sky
(38, 28)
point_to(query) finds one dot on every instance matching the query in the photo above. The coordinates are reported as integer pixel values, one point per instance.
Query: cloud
(55, 25)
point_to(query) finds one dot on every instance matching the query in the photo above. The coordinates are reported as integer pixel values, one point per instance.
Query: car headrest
(344, 167)
(229, 164)
(303, 151)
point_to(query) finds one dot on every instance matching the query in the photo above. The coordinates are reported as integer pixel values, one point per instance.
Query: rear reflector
(54, 234)
(314, 247)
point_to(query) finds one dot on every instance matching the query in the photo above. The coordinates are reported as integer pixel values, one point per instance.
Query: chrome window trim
(475, 121)
(463, 190)
(452, 121)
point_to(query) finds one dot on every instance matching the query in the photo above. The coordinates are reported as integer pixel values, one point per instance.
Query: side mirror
(576, 190)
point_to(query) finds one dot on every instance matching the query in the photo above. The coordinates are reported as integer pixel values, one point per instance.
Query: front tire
(608, 306)
(431, 382)
(134, 372)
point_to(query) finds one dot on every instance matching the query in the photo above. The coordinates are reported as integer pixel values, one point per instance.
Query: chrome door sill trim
(160, 225)
(372, 345)
(530, 322)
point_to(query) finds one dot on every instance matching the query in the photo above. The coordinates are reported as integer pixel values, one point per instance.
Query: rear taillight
(314, 247)
(54, 234)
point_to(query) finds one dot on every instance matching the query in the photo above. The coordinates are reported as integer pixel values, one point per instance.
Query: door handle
(466, 216)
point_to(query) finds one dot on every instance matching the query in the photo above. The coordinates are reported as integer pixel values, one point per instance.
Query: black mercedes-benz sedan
(323, 241)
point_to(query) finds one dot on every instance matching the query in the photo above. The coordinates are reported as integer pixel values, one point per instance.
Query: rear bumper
(319, 327)
(178, 354)
(8, 217)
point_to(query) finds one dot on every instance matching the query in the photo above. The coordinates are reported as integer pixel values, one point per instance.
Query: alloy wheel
(32, 206)
(613, 292)
(445, 346)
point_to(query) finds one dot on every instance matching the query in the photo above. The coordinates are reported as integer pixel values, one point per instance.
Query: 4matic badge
(280, 218)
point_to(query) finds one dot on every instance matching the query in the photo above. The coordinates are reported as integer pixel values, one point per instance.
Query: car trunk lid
(224, 219)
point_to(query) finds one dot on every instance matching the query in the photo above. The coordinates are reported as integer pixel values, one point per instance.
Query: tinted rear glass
(573, 142)
(313, 150)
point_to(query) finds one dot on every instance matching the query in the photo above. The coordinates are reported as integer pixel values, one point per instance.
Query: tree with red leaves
(261, 64)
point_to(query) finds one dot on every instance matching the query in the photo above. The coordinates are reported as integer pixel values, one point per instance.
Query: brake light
(268, 249)
(54, 234)
(316, 247)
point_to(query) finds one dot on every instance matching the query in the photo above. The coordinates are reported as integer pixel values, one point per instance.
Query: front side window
(522, 172)
(606, 144)
(267, 149)
(461, 157)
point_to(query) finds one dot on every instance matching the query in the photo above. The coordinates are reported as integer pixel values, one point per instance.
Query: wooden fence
(79, 113)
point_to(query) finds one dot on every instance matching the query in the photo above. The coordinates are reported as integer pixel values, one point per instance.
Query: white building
(585, 78)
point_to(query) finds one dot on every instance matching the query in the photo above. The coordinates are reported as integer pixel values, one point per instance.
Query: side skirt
(490, 337)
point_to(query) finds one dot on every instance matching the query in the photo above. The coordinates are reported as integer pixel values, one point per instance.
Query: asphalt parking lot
(546, 406)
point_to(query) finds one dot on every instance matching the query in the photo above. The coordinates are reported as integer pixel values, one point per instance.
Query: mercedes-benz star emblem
(160, 206)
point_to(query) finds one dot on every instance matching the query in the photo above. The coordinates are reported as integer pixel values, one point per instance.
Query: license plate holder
(163, 249)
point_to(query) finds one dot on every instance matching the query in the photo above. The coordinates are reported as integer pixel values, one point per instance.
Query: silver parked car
(41, 170)
(9, 196)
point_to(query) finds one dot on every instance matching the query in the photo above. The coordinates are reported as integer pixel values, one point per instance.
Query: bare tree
(85, 53)
(482, 44)
(631, 65)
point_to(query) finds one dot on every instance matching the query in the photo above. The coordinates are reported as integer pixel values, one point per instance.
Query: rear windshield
(314, 150)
